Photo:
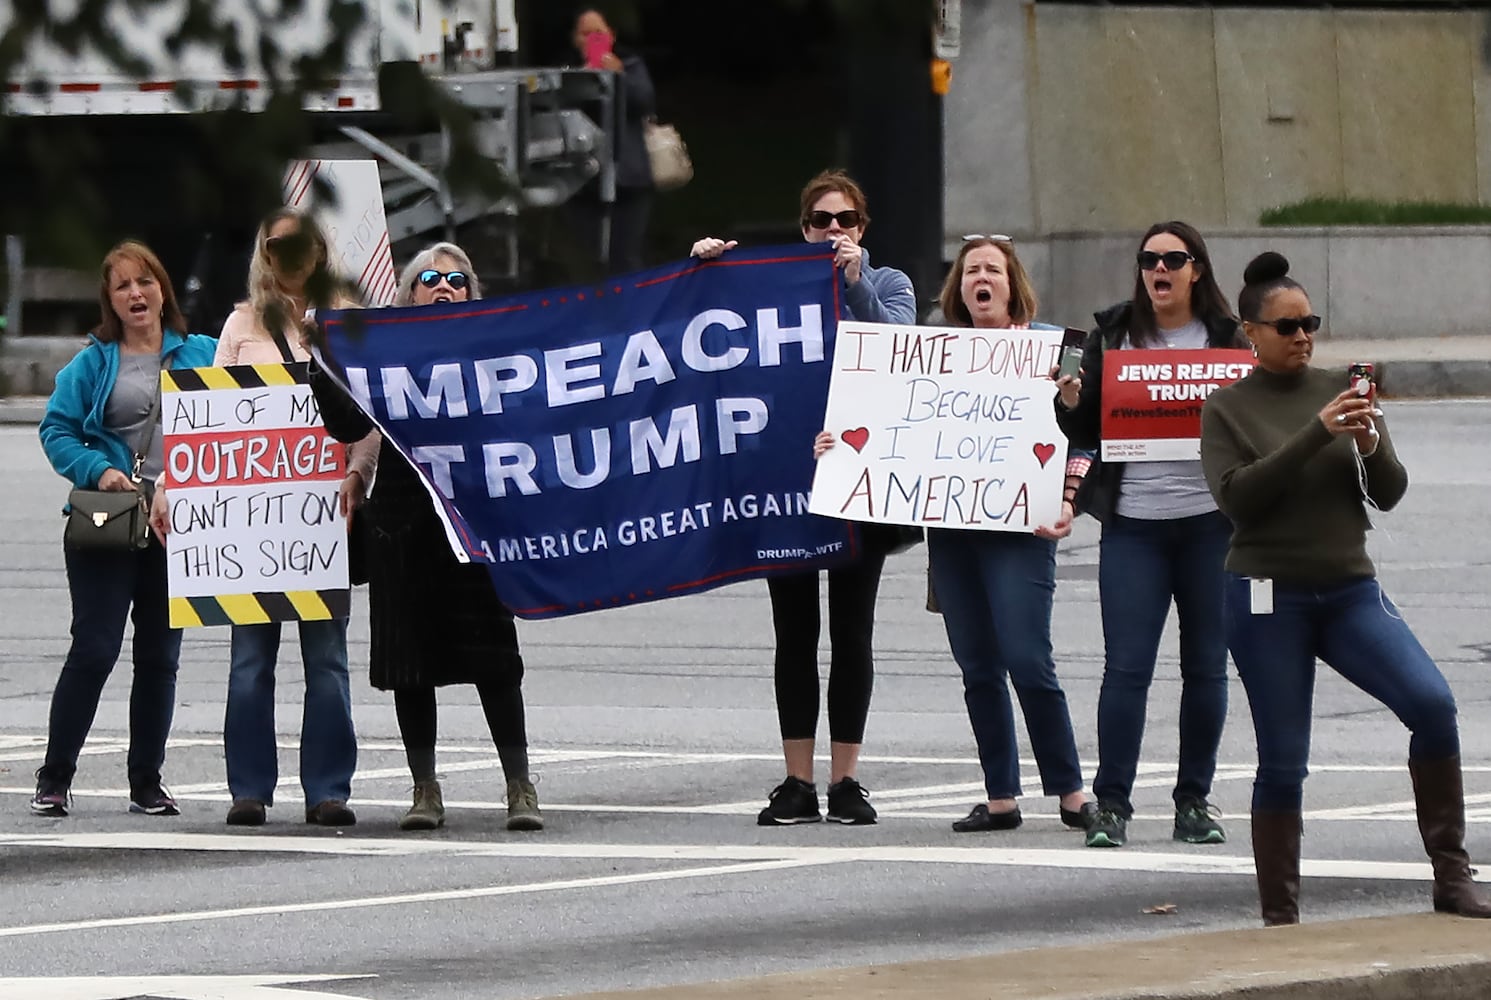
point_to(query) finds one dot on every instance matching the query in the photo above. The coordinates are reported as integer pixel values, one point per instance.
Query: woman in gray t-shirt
(1163, 541)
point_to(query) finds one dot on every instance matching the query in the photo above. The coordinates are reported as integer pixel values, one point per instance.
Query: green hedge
(1366, 212)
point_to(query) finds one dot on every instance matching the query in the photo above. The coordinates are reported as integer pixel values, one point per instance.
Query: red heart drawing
(856, 438)
(1043, 453)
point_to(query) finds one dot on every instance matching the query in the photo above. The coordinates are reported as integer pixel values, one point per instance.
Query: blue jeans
(328, 745)
(1142, 566)
(1359, 633)
(996, 590)
(108, 588)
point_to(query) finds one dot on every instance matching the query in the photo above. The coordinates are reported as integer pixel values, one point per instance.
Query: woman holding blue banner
(1163, 540)
(435, 621)
(996, 589)
(832, 210)
(290, 258)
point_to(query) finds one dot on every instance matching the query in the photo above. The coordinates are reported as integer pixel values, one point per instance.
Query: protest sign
(353, 221)
(638, 439)
(251, 487)
(948, 428)
(1152, 400)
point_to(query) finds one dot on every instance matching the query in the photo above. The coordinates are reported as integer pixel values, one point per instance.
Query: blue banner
(640, 439)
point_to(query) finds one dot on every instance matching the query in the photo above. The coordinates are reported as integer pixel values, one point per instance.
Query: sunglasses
(991, 237)
(1173, 260)
(847, 219)
(455, 279)
(1288, 326)
(290, 241)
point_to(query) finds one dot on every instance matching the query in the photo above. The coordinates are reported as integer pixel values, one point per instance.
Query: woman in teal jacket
(98, 415)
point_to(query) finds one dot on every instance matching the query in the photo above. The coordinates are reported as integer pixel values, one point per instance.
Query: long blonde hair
(268, 301)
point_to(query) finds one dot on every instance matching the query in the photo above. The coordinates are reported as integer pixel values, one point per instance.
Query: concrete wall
(1069, 117)
(1383, 283)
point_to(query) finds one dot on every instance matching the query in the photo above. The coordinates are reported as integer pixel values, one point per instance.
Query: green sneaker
(428, 811)
(1109, 828)
(522, 806)
(1196, 822)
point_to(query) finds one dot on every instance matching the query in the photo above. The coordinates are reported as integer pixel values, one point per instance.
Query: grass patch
(1367, 212)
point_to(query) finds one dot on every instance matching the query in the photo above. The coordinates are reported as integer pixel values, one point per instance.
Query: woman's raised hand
(1070, 388)
(1349, 413)
(709, 248)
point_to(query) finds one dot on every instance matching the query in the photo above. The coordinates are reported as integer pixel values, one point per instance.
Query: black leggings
(501, 703)
(851, 629)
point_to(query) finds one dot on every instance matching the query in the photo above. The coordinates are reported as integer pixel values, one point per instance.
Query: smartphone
(1071, 353)
(1363, 382)
(597, 44)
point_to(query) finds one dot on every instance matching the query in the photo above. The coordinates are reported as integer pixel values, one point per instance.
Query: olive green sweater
(1291, 488)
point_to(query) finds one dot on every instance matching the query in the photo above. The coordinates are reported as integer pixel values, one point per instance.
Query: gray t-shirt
(1163, 491)
(130, 403)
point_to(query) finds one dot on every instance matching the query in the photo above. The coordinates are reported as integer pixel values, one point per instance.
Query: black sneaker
(52, 798)
(1109, 827)
(848, 802)
(153, 801)
(793, 801)
(1196, 822)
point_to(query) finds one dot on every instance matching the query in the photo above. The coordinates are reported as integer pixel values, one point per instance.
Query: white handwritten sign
(354, 223)
(948, 428)
(251, 478)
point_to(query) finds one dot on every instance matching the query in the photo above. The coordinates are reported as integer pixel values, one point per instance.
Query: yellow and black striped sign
(262, 607)
(234, 377)
(256, 609)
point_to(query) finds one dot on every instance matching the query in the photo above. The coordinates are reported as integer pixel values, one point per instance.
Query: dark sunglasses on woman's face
(1288, 326)
(847, 219)
(1173, 260)
(455, 279)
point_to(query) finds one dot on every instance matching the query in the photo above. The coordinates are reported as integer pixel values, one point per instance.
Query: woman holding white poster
(832, 209)
(290, 259)
(1163, 540)
(435, 621)
(995, 589)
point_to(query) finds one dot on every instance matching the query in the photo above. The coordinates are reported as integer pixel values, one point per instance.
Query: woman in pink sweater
(290, 255)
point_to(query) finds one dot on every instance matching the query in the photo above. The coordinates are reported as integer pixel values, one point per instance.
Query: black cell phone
(1071, 353)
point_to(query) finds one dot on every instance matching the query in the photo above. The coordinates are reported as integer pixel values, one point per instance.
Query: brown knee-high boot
(1276, 860)
(1440, 798)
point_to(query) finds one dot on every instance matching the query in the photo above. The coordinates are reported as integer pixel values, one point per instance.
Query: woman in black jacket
(435, 621)
(1163, 540)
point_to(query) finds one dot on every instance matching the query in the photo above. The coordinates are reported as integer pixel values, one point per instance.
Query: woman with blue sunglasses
(435, 621)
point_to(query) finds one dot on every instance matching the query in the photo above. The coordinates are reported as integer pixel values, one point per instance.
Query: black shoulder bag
(114, 520)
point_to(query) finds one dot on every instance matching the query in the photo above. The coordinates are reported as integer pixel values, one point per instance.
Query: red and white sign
(1152, 400)
(354, 223)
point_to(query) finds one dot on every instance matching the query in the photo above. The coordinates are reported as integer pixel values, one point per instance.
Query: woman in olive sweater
(1293, 456)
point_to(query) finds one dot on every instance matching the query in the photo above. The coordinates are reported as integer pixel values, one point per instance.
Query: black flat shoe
(981, 820)
(1080, 819)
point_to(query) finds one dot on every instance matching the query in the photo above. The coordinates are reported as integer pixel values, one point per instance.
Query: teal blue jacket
(73, 434)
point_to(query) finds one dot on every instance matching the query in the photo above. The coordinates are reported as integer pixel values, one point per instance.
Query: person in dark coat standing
(435, 621)
(595, 41)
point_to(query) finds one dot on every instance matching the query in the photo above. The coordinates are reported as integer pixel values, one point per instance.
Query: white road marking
(1198, 861)
(400, 899)
(169, 987)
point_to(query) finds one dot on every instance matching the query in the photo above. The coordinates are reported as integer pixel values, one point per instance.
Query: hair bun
(1267, 266)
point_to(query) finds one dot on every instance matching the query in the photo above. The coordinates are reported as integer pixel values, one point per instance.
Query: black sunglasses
(431, 277)
(847, 219)
(1174, 260)
(1288, 326)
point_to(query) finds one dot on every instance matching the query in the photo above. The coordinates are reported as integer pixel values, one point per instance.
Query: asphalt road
(654, 737)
